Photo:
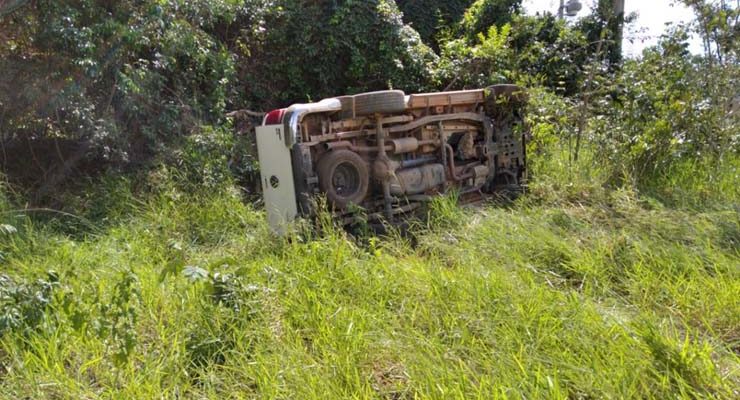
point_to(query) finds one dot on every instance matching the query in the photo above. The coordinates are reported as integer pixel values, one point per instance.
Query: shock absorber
(383, 158)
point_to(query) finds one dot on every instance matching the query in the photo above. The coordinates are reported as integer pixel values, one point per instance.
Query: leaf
(6, 229)
(195, 273)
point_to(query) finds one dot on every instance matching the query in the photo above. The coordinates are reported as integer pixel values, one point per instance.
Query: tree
(538, 50)
(432, 17)
(486, 13)
(603, 28)
(717, 24)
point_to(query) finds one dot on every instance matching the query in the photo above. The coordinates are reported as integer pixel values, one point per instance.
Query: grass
(181, 297)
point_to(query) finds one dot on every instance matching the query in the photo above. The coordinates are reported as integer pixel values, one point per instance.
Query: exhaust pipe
(295, 113)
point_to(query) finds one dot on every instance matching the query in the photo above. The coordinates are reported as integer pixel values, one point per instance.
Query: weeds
(24, 306)
(192, 297)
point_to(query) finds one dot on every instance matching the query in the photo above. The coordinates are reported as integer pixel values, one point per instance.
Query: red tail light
(274, 117)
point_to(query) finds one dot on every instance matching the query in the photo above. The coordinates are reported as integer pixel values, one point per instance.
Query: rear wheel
(344, 177)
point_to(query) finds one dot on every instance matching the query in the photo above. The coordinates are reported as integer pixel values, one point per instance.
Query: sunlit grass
(610, 300)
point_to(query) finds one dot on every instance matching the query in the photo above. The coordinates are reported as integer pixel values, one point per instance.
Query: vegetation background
(136, 263)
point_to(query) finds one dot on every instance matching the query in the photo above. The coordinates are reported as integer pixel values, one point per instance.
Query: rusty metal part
(396, 146)
(349, 125)
(384, 168)
(480, 173)
(420, 197)
(451, 163)
(469, 116)
(415, 162)
(372, 149)
(443, 141)
(428, 134)
(405, 145)
(395, 211)
(382, 158)
(446, 99)
(343, 144)
(489, 143)
(410, 145)
(294, 116)
(466, 146)
(338, 145)
(417, 180)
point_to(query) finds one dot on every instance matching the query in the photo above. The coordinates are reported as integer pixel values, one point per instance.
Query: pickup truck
(387, 153)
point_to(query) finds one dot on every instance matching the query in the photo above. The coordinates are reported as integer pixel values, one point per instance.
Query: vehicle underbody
(385, 154)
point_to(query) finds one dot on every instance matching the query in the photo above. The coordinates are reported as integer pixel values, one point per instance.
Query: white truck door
(276, 173)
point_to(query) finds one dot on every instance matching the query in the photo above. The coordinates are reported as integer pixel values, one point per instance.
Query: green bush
(483, 14)
(433, 18)
(668, 128)
(361, 46)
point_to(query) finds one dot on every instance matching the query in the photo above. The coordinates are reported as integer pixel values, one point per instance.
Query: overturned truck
(385, 154)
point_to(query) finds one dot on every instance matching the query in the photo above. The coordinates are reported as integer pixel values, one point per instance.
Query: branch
(8, 6)
(245, 112)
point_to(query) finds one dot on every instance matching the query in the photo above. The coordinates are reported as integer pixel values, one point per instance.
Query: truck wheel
(344, 177)
(382, 102)
(348, 107)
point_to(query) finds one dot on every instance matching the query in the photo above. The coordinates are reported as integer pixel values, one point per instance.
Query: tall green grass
(184, 296)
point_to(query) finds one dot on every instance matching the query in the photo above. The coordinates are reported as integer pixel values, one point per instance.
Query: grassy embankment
(605, 296)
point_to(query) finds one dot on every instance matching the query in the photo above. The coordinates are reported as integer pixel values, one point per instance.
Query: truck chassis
(388, 154)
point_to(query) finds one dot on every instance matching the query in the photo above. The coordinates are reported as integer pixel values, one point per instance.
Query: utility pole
(619, 7)
(561, 9)
(619, 15)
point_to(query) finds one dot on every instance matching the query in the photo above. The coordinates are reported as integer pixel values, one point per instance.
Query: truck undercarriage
(387, 153)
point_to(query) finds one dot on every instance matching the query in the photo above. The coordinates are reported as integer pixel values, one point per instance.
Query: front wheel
(344, 177)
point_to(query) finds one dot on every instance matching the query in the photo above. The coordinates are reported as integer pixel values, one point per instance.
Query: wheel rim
(345, 180)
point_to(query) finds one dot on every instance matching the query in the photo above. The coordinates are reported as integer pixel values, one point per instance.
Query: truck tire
(344, 177)
(382, 102)
(348, 107)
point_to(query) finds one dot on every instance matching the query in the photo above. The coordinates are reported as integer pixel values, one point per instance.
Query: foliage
(669, 114)
(363, 46)
(717, 24)
(133, 78)
(534, 50)
(603, 28)
(24, 306)
(431, 18)
(550, 52)
(202, 161)
(117, 317)
(483, 14)
(488, 62)
(128, 76)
